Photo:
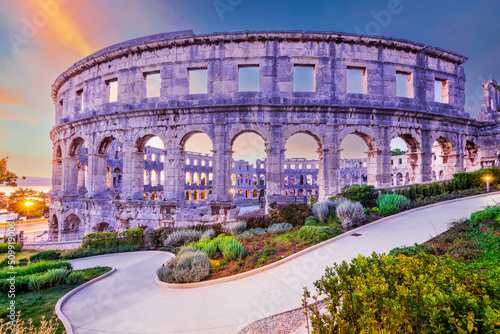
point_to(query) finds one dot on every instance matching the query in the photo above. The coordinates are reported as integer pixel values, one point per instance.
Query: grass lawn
(34, 305)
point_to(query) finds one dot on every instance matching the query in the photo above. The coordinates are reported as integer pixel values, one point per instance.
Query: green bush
(295, 214)
(350, 213)
(22, 262)
(208, 234)
(279, 228)
(312, 221)
(4, 263)
(34, 268)
(80, 252)
(45, 255)
(49, 279)
(156, 238)
(75, 278)
(398, 201)
(388, 210)
(235, 228)
(409, 250)
(4, 247)
(257, 231)
(318, 233)
(182, 237)
(417, 294)
(132, 237)
(366, 195)
(189, 266)
(489, 213)
(231, 249)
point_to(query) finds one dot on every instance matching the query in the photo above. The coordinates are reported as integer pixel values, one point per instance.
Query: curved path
(129, 301)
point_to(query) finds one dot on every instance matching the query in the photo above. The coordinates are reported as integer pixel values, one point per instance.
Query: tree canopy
(397, 151)
(7, 176)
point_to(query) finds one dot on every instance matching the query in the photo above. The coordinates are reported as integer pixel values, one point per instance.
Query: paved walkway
(128, 301)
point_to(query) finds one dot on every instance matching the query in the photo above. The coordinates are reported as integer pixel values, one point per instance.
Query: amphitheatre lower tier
(273, 84)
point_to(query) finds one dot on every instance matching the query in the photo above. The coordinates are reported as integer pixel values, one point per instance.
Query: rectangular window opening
(79, 99)
(404, 84)
(441, 93)
(113, 90)
(153, 84)
(356, 80)
(303, 78)
(198, 80)
(248, 78)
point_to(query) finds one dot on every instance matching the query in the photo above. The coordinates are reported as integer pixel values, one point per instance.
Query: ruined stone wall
(141, 88)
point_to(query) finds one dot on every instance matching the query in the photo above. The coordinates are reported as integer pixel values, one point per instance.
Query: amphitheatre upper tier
(84, 89)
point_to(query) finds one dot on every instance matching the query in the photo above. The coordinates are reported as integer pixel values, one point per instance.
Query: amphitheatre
(108, 107)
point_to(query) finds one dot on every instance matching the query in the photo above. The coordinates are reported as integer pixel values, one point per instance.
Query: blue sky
(64, 31)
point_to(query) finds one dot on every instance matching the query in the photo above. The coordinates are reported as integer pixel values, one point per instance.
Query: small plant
(318, 233)
(208, 234)
(399, 201)
(257, 231)
(182, 237)
(279, 228)
(22, 262)
(366, 195)
(231, 249)
(388, 210)
(189, 266)
(489, 213)
(312, 221)
(350, 213)
(75, 278)
(321, 210)
(235, 228)
(409, 250)
(295, 214)
(374, 209)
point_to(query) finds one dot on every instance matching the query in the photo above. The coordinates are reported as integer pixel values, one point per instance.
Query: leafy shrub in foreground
(257, 231)
(279, 228)
(388, 210)
(45, 255)
(399, 201)
(208, 234)
(409, 250)
(256, 219)
(489, 213)
(51, 278)
(235, 228)
(182, 237)
(350, 213)
(230, 248)
(366, 195)
(189, 266)
(417, 294)
(155, 238)
(318, 233)
(132, 237)
(312, 221)
(80, 252)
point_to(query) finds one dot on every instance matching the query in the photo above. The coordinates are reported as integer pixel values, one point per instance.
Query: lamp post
(487, 184)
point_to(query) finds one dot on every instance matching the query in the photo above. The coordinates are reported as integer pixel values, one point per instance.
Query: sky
(39, 39)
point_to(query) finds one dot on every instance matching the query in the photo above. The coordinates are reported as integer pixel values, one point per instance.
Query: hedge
(132, 237)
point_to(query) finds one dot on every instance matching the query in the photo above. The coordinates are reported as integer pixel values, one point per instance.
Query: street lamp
(487, 183)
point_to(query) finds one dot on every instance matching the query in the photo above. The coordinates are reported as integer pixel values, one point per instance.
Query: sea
(9, 190)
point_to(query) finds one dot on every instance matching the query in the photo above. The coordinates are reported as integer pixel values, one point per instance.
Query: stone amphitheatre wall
(110, 96)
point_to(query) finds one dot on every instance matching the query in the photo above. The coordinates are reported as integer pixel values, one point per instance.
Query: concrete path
(128, 301)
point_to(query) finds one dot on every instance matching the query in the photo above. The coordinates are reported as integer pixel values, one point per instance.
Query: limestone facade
(132, 91)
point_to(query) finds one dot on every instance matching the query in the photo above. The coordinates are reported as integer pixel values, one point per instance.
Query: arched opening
(103, 227)
(154, 178)
(188, 195)
(146, 196)
(154, 196)
(109, 177)
(117, 178)
(262, 180)
(247, 147)
(75, 182)
(146, 178)
(72, 227)
(198, 151)
(203, 194)
(303, 154)
(112, 149)
(358, 156)
(255, 193)
(54, 228)
(471, 161)
(233, 179)
(405, 158)
(446, 157)
(154, 162)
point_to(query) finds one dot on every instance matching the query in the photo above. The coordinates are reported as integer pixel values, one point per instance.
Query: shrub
(312, 221)
(295, 213)
(22, 262)
(409, 250)
(4, 247)
(257, 231)
(80, 252)
(418, 294)
(321, 210)
(489, 213)
(398, 201)
(189, 266)
(246, 234)
(4, 263)
(388, 210)
(350, 213)
(45, 255)
(34, 268)
(256, 219)
(75, 278)
(182, 237)
(155, 238)
(279, 228)
(366, 195)
(132, 237)
(231, 249)
(318, 233)
(235, 228)
(208, 234)
(51, 278)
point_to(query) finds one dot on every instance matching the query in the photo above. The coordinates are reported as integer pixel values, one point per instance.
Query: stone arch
(471, 154)
(260, 130)
(103, 227)
(187, 132)
(75, 146)
(367, 134)
(54, 228)
(143, 136)
(72, 222)
(450, 154)
(106, 140)
(289, 131)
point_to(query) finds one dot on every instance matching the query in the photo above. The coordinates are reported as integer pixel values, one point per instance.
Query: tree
(397, 151)
(7, 176)
(28, 202)
(3, 201)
